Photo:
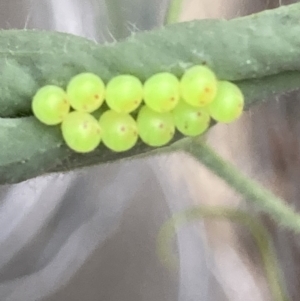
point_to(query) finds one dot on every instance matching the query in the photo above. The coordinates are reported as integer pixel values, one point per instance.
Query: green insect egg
(86, 92)
(189, 120)
(198, 86)
(161, 92)
(81, 132)
(228, 104)
(50, 105)
(124, 93)
(155, 129)
(120, 131)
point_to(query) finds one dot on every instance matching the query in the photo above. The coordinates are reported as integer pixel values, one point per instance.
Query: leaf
(259, 52)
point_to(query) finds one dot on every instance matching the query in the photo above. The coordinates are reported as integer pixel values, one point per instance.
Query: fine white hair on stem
(132, 27)
(111, 35)
(27, 20)
(28, 15)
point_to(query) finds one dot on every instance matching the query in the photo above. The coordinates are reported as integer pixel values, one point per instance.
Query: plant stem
(237, 50)
(259, 233)
(251, 190)
(173, 11)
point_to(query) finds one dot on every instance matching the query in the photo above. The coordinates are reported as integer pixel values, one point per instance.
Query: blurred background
(91, 234)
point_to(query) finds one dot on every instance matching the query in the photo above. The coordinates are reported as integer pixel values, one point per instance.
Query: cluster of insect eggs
(130, 109)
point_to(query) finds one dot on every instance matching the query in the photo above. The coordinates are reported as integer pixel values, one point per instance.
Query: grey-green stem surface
(259, 52)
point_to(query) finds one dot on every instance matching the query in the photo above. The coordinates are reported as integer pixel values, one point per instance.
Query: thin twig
(264, 200)
(259, 233)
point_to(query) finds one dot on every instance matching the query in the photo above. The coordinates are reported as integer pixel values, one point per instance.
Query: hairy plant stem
(260, 53)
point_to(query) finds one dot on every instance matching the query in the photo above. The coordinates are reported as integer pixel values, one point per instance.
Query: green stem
(173, 11)
(250, 51)
(259, 233)
(249, 189)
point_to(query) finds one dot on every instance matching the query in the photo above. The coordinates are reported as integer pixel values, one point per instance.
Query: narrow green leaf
(259, 52)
